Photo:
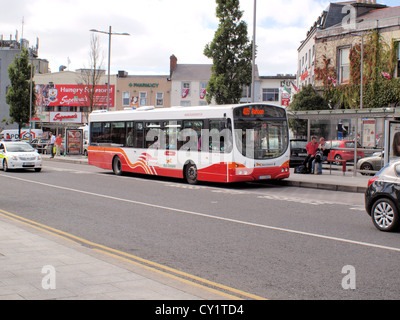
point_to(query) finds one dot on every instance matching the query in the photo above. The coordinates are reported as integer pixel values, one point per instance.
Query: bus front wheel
(191, 173)
(117, 166)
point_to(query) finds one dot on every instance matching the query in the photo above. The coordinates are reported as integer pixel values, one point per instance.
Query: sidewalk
(28, 257)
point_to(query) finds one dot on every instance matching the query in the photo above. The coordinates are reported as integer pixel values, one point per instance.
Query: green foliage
(18, 96)
(378, 92)
(231, 52)
(308, 99)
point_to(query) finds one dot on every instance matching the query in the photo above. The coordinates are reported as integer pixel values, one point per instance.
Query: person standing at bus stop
(58, 145)
(51, 144)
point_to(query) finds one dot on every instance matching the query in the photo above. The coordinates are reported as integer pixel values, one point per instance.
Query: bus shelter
(373, 129)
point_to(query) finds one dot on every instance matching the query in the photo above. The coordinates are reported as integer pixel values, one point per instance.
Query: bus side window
(221, 135)
(138, 136)
(118, 133)
(196, 127)
(171, 134)
(100, 133)
(130, 134)
(153, 135)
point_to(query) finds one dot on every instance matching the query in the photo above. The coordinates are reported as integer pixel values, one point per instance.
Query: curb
(322, 186)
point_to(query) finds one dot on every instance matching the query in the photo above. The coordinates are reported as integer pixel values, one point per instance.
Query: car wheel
(191, 173)
(367, 167)
(5, 166)
(117, 166)
(385, 215)
(338, 157)
(38, 169)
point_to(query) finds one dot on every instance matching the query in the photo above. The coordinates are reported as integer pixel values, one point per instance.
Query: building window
(143, 98)
(271, 94)
(125, 98)
(344, 65)
(185, 104)
(203, 90)
(159, 99)
(185, 89)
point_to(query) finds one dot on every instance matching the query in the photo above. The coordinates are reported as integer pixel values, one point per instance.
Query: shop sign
(145, 85)
(65, 117)
(73, 95)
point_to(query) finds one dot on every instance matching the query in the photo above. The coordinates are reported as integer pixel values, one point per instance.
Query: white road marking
(181, 211)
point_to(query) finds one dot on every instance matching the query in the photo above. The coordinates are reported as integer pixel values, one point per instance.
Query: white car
(19, 155)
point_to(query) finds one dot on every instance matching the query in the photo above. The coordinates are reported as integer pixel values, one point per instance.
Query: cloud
(158, 28)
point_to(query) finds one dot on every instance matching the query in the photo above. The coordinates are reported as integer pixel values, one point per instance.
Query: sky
(158, 29)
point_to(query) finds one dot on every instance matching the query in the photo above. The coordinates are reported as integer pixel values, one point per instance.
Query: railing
(344, 163)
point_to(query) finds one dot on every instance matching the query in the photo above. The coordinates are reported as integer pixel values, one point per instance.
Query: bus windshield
(261, 132)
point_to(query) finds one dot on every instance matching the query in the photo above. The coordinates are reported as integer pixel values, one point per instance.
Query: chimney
(172, 65)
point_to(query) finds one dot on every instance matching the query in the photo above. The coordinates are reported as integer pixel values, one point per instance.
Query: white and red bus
(211, 143)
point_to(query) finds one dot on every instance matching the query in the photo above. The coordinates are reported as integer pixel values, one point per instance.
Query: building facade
(189, 83)
(8, 50)
(345, 15)
(137, 91)
(336, 42)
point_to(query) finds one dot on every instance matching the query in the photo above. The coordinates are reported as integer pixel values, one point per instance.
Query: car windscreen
(19, 147)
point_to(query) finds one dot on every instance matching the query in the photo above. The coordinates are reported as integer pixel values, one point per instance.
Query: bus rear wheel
(191, 173)
(117, 166)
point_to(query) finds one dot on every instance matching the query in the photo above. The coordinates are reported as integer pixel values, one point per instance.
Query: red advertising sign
(73, 95)
(74, 141)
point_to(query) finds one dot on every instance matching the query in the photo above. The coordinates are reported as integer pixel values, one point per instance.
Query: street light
(254, 54)
(110, 33)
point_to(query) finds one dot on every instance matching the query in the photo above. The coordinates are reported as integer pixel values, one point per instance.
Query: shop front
(68, 106)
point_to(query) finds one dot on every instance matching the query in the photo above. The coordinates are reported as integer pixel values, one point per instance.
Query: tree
(18, 95)
(231, 52)
(306, 99)
(91, 77)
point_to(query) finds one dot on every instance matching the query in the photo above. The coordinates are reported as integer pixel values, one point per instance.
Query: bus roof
(152, 113)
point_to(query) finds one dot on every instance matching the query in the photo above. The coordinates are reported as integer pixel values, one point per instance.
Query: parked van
(12, 134)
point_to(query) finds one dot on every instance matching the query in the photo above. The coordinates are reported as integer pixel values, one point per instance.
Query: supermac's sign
(65, 117)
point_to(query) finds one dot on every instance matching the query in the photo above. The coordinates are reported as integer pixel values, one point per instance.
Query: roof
(380, 14)
(192, 72)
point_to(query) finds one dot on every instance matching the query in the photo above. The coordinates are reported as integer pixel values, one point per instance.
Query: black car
(382, 198)
(298, 152)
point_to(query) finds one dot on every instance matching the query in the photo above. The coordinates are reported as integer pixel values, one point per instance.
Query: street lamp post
(254, 54)
(110, 33)
(361, 100)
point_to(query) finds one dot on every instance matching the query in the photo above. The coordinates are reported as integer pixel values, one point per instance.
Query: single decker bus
(226, 144)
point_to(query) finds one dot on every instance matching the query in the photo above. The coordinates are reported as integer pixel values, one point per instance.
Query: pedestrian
(58, 145)
(311, 148)
(321, 155)
(51, 144)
